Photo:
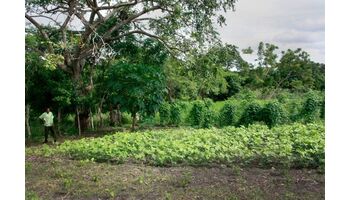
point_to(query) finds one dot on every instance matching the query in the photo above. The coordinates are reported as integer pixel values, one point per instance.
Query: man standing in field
(47, 118)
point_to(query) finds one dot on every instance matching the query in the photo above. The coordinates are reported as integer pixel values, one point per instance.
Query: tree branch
(119, 5)
(41, 30)
(128, 20)
(170, 48)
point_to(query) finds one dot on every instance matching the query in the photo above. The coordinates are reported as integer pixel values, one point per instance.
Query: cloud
(288, 24)
(297, 37)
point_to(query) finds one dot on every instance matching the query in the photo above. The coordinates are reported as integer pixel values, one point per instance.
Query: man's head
(47, 110)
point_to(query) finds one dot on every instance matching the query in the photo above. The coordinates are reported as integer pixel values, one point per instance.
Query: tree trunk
(59, 121)
(100, 117)
(112, 116)
(27, 120)
(91, 120)
(134, 119)
(77, 69)
(100, 112)
(119, 115)
(78, 121)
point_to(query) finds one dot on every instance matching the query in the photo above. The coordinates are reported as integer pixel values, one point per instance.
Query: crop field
(285, 162)
(294, 145)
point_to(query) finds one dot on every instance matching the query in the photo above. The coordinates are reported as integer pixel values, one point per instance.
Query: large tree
(135, 87)
(86, 28)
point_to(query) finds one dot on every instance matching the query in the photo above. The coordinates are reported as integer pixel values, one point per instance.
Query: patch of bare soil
(60, 178)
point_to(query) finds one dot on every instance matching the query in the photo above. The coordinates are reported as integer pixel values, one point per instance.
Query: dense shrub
(227, 115)
(164, 113)
(310, 109)
(196, 113)
(208, 102)
(208, 118)
(201, 114)
(251, 114)
(323, 107)
(294, 108)
(272, 114)
(175, 114)
(126, 118)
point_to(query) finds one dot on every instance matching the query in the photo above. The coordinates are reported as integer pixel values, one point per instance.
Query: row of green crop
(296, 145)
(205, 113)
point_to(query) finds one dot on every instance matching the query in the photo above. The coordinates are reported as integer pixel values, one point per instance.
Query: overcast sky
(287, 24)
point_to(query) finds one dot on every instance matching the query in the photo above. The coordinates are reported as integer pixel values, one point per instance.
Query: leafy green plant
(175, 114)
(323, 107)
(196, 113)
(227, 115)
(296, 145)
(273, 114)
(208, 118)
(164, 113)
(251, 114)
(310, 109)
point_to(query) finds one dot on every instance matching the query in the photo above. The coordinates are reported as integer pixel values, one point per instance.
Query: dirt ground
(62, 178)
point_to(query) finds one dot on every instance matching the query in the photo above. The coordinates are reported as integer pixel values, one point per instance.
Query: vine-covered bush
(227, 115)
(197, 113)
(310, 109)
(208, 118)
(251, 114)
(164, 113)
(175, 114)
(323, 107)
(201, 114)
(273, 114)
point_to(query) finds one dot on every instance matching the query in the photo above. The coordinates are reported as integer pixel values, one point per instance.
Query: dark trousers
(47, 129)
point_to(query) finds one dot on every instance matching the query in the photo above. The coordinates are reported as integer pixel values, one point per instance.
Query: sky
(285, 23)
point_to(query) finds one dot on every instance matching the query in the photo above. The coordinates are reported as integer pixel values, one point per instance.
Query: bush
(251, 114)
(310, 109)
(272, 114)
(323, 107)
(208, 118)
(208, 102)
(126, 118)
(246, 94)
(196, 113)
(164, 113)
(227, 115)
(175, 114)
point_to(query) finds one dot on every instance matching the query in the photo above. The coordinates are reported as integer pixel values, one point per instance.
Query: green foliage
(295, 145)
(201, 114)
(52, 60)
(252, 113)
(246, 94)
(164, 113)
(135, 87)
(126, 118)
(228, 115)
(323, 107)
(273, 114)
(310, 110)
(175, 114)
(208, 118)
(196, 113)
